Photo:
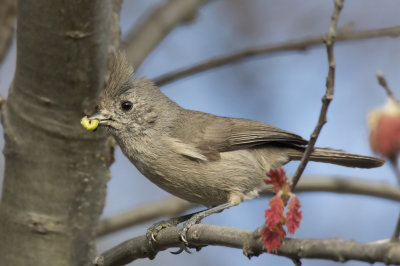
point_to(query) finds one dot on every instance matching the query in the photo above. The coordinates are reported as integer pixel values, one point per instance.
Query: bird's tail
(327, 155)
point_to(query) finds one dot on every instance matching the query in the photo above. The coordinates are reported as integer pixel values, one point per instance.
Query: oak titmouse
(212, 160)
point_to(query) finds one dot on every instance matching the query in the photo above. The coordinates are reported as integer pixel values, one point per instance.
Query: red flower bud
(384, 126)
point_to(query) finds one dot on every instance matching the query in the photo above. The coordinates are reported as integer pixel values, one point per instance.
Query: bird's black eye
(126, 105)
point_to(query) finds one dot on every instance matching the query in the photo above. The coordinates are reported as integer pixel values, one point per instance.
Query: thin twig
(327, 98)
(249, 241)
(8, 14)
(295, 45)
(142, 39)
(382, 81)
(175, 207)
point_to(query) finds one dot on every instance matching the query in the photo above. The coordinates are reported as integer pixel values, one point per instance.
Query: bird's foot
(153, 230)
(195, 219)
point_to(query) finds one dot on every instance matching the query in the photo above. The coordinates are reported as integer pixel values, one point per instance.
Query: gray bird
(203, 158)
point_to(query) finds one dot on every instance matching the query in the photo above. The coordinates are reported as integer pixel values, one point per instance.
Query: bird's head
(127, 104)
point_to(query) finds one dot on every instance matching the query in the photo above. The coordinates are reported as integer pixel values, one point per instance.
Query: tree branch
(141, 40)
(167, 207)
(202, 235)
(295, 45)
(8, 14)
(345, 185)
(327, 98)
(174, 206)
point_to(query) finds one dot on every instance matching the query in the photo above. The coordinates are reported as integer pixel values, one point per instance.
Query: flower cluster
(273, 233)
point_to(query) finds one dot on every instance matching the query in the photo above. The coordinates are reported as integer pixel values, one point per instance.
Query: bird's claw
(150, 236)
(195, 219)
(181, 249)
(182, 238)
(153, 231)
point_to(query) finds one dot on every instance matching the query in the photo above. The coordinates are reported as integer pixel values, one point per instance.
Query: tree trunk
(55, 172)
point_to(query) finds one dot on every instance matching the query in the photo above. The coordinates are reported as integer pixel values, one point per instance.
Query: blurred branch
(349, 185)
(174, 206)
(296, 45)
(328, 97)
(141, 40)
(166, 207)
(200, 235)
(8, 14)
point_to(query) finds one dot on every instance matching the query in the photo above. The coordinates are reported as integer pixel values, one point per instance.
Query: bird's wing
(209, 135)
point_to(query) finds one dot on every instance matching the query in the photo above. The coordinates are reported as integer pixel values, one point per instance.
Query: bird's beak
(92, 122)
(97, 116)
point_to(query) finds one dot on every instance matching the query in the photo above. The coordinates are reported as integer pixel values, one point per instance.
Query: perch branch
(296, 45)
(201, 235)
(327, 98)
(174, 207)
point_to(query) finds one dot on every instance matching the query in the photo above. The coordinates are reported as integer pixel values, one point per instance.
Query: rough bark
(55, 172)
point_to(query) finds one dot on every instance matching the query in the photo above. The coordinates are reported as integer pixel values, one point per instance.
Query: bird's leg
(153, 230)
(196, 218)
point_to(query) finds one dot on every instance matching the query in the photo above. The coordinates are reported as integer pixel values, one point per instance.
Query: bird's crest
(120, 76)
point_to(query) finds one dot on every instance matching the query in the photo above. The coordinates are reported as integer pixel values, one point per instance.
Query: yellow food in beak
(89, 125)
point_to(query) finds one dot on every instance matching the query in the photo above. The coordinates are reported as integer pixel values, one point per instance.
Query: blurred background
(282, 89)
